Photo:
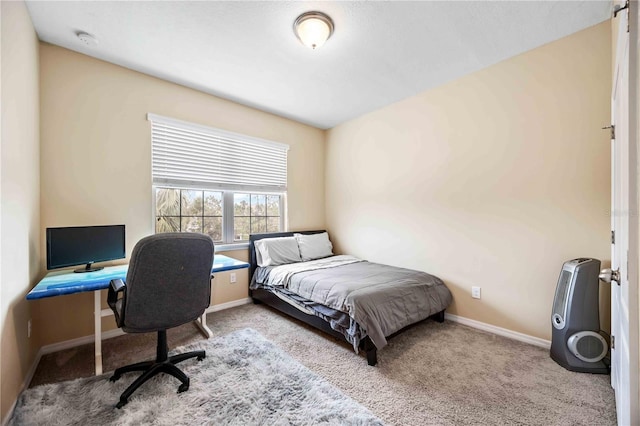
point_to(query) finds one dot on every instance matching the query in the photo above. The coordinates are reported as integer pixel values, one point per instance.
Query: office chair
(168, 284)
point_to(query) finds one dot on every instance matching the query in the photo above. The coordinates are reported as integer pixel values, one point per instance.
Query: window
(255, 213)
(187, 210)
(215, 182)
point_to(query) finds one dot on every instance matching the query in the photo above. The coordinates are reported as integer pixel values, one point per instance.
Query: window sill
(231, 247)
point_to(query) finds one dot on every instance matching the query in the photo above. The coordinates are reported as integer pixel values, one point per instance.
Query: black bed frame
(270, 299)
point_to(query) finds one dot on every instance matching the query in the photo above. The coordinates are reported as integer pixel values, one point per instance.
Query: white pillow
(277, 251)
(314, 246)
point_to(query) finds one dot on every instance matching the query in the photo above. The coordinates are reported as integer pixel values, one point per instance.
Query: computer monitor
(77, 245)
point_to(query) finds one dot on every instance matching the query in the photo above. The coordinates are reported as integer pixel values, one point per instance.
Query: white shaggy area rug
(244, 380)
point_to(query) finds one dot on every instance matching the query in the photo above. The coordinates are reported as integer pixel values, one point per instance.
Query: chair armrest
(116, 287)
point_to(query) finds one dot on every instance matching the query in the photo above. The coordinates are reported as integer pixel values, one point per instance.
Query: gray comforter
(382, 299)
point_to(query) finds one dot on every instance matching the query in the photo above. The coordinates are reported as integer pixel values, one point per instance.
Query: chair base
(162, 364)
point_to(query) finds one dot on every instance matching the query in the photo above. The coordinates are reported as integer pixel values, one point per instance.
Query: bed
(351, 299)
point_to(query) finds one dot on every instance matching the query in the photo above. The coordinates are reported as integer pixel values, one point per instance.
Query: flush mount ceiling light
(313, 28)
(87, 39)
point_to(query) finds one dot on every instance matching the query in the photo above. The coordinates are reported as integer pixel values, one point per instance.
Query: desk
(59, 283)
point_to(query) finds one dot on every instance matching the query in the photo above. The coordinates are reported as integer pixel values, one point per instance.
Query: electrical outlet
(232, 277)
(475, 292)
(29, 328)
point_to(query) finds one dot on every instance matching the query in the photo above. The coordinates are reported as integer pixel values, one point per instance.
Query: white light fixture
(313, 28)
(87, 39)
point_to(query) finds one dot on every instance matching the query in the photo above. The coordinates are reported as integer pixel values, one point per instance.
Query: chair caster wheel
(200, 358)
(114, 378)
(121, 404)
(183, 387)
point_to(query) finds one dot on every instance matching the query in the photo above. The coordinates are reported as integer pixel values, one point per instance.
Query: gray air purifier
(576, 343)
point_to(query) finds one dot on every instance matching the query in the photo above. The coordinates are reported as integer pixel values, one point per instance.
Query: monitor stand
(89, 268)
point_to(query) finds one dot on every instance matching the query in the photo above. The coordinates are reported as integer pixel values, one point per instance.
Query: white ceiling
(380, 52)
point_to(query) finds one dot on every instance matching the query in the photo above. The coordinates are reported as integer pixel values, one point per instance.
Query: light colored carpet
(431, 374)
(244, 379)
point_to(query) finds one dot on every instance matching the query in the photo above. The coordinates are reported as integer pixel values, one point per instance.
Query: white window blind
(195, 156)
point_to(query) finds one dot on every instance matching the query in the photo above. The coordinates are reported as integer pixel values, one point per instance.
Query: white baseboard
(536, 341)
(228, 305)
(68, 344)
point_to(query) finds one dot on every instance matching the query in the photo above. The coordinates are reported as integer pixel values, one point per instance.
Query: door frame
(634, 208)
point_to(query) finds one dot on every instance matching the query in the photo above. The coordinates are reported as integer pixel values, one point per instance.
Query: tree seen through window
(255, 213)
(189, 210)
(182, 210)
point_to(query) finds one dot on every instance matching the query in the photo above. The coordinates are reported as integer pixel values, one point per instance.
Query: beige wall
(20, 195)
(492, 180)
(222, 290)
(96, 161)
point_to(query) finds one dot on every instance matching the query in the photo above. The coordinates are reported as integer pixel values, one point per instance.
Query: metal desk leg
(97, 315)
(202, 325)
(201, 322)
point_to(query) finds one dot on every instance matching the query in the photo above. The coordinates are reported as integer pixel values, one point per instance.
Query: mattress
(378, 299)
(339, 321)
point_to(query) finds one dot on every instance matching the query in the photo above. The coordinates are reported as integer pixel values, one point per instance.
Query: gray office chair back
(168, 282)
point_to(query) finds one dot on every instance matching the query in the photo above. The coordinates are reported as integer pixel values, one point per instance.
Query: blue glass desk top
(58, 283)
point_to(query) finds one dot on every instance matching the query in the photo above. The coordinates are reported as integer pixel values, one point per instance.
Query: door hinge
(613, 237)
(619, 9)
(613, 342)
(612, 130)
